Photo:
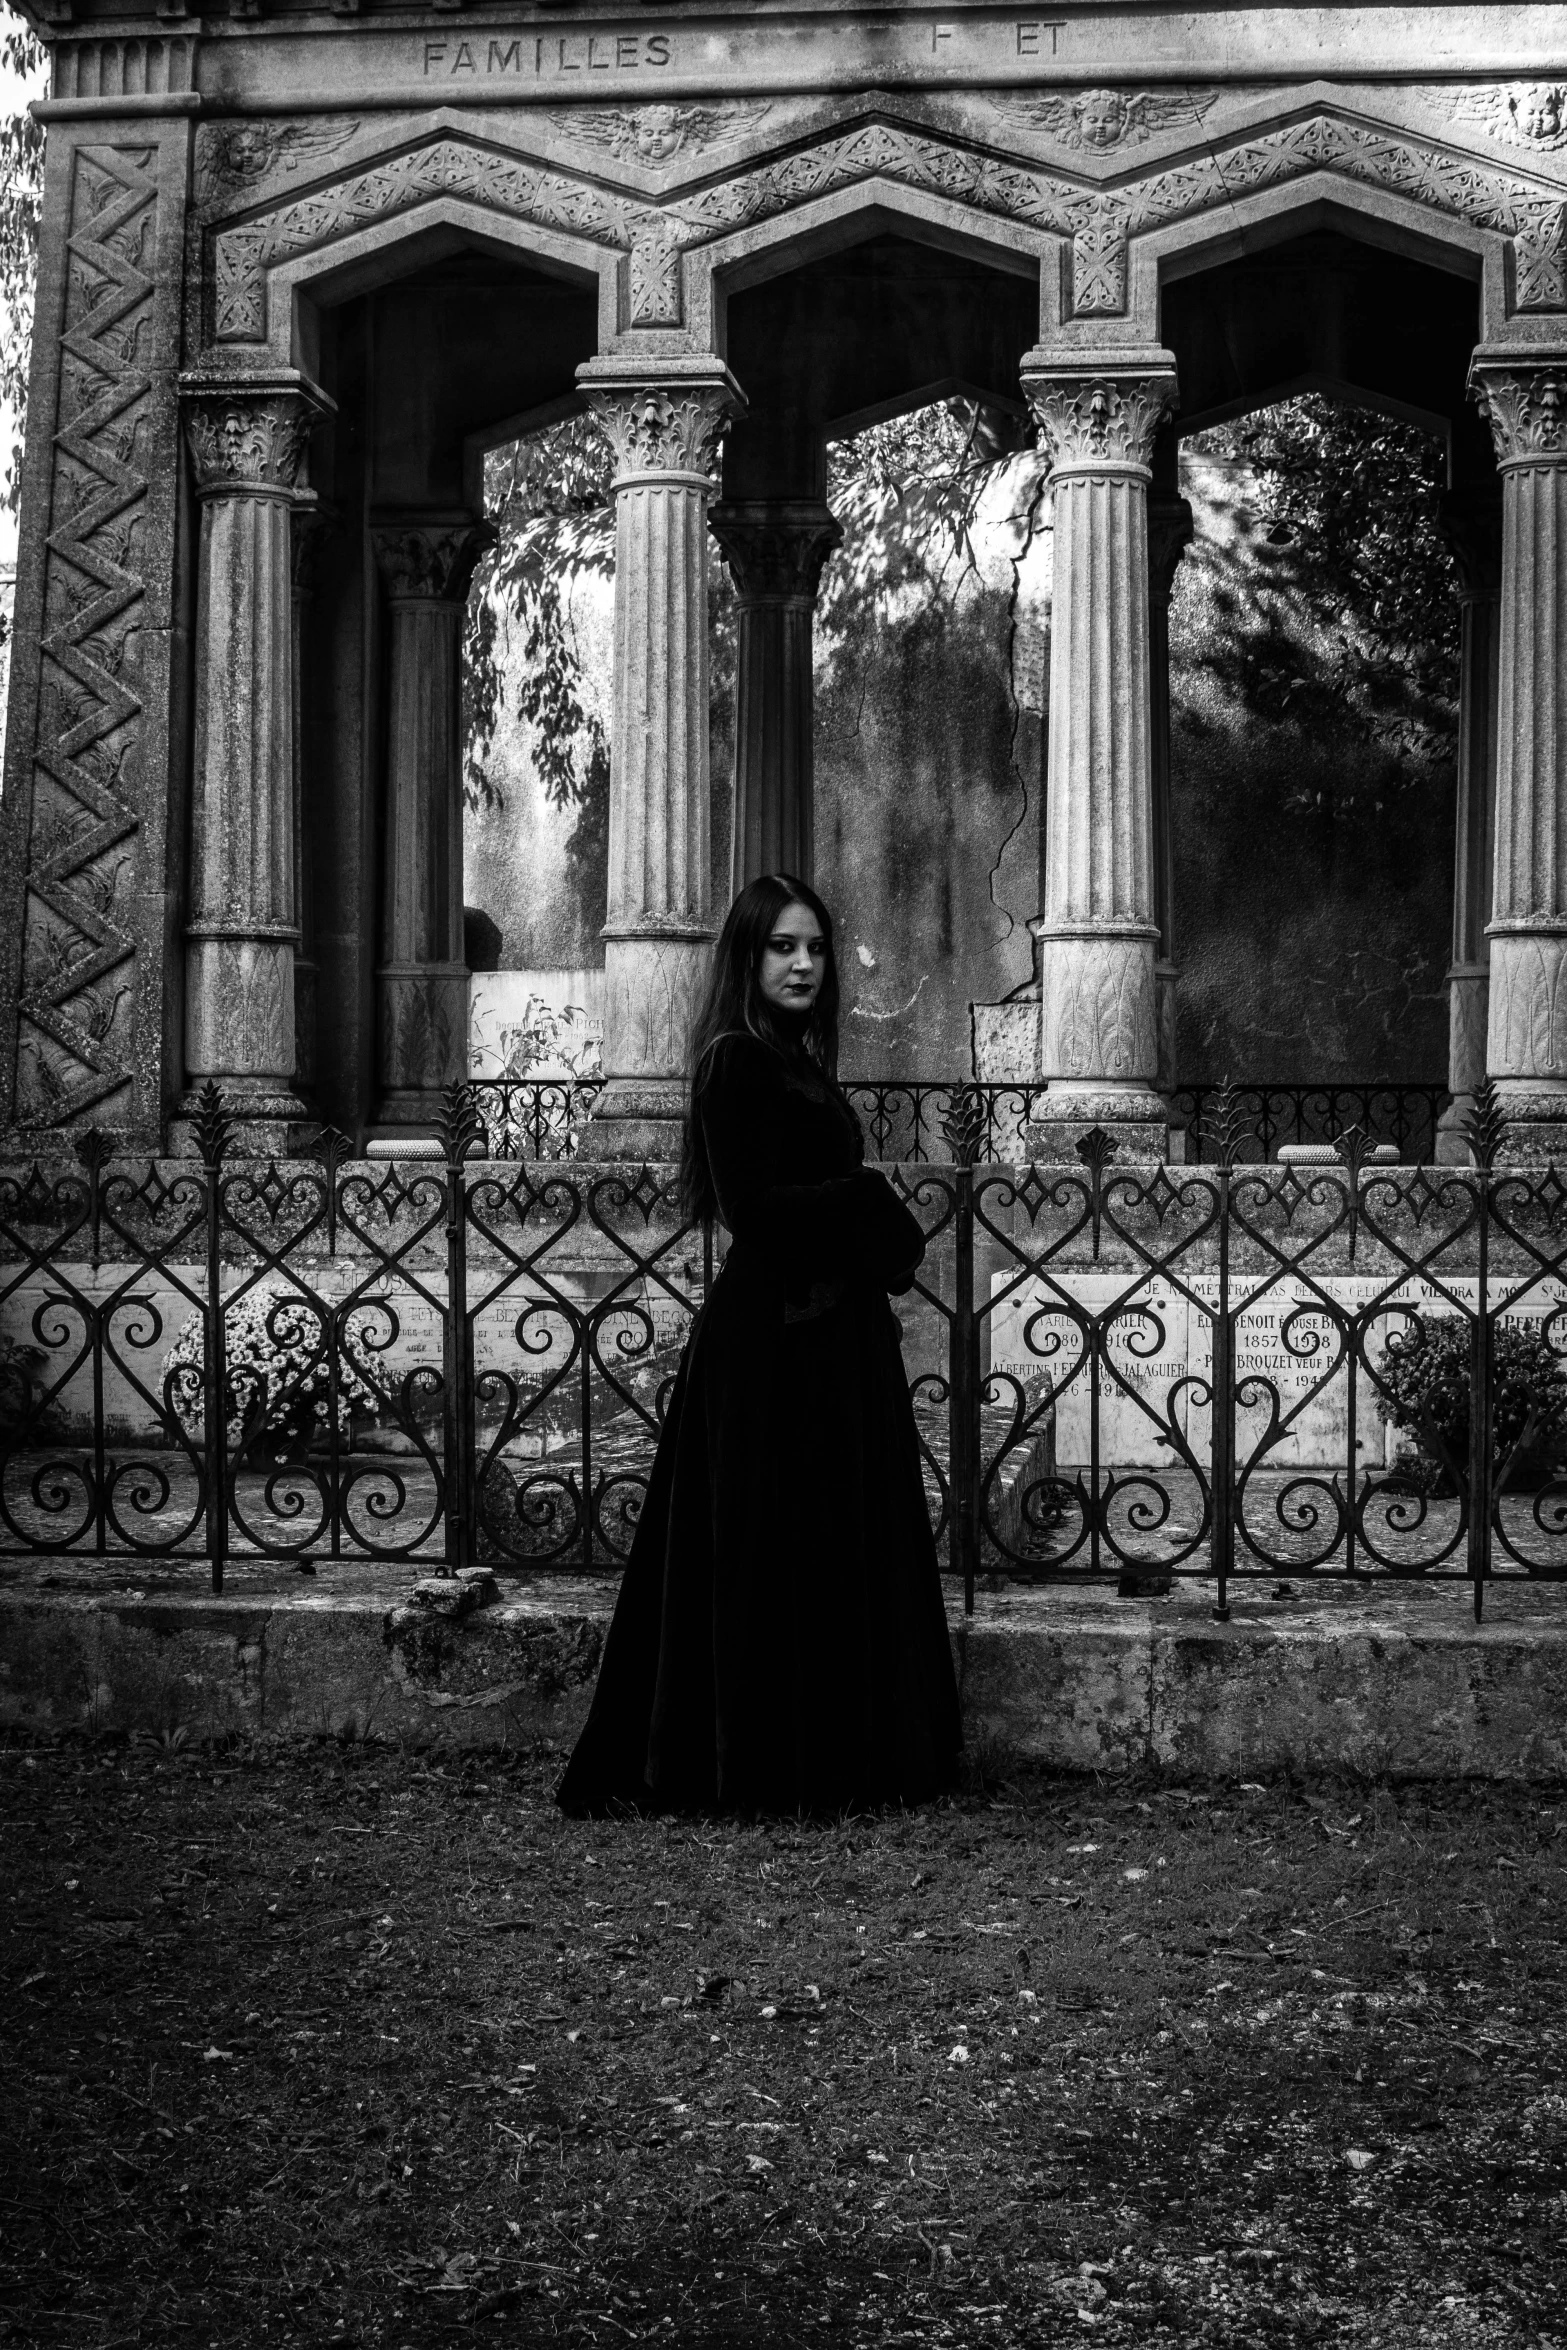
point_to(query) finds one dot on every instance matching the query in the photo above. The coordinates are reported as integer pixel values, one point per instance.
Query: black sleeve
(851, 1224)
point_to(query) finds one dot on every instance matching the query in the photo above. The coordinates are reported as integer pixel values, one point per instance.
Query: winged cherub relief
(1531, 114)
(1100, 120)
(239, 154)
(656, 134)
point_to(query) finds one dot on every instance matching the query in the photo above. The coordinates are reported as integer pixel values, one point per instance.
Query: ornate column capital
(1170, 529)
(775, 548)
(1522, 394)
(1098, 412)
(662, 428)
(429, 559)
(249, 439)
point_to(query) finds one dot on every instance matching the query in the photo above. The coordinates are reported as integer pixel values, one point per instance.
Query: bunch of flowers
(276, 1348)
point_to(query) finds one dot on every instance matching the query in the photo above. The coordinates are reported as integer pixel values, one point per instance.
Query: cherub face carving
(660, 132)
(1538, 111)
(1103, 117)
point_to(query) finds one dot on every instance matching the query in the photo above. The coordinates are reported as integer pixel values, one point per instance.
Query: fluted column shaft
(310, 526)
(665, 436)
(247, 443)
(1471, 522)
(1524, 396)
(1098, 930)
(1169, 535)
(775, 550)
(423, 980)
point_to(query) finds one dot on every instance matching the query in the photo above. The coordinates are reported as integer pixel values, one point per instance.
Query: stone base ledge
(1382, 1683)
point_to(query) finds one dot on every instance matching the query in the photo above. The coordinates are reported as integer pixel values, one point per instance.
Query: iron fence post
(963, 1126)
(459, 1131)
(1223, 1412)
(964, 1448)
(1481, 1465)
(92, 1152)
(211, 1129)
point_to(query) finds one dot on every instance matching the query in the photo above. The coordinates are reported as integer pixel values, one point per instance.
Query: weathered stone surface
(1170, 527)
(775, 552)
(426, 564)
(665, 435)
(1098, 928)
(1472, 524)
(1524, 398)
(1388, 1683)
(634, 182)
(248, 444)
(96, 677)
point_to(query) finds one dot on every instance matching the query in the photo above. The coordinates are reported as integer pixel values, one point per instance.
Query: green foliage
(549, 496)
(1348, 502)
(1426, 1392)
(545, 1037)
(21, 196)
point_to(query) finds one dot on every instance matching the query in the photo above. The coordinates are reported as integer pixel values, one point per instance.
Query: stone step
(1392, 1680)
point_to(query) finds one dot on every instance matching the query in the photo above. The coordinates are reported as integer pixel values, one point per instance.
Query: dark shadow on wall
(930, 665)
(1313, 816)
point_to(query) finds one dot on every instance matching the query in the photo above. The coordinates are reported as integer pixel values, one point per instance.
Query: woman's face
(794, 960)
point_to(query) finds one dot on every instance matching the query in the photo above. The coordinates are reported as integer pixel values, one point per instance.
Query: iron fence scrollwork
(1228, 1371)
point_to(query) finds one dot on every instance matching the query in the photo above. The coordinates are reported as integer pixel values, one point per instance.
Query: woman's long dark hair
(734, 1005)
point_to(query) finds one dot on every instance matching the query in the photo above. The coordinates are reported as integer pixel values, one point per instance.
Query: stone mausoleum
(303, 267)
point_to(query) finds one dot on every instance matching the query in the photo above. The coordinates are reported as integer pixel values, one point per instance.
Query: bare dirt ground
(338, 2045)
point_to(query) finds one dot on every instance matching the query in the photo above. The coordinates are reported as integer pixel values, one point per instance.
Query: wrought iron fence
(1117, 1371)
(1403, 1115)
(543, 1118)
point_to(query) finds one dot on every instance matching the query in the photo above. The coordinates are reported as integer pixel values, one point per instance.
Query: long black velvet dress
(780, 1640)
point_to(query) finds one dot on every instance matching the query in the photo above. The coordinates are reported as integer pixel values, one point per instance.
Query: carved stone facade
(665, 437)
(1472, 525)
(247, 447)
(1169, 535)
(1525, 404)
(423, 980)
(775, 554)
(1098, 929)
(233, 202)
(82, 1008)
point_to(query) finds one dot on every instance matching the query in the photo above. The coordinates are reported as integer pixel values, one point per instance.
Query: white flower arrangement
(273, 1340)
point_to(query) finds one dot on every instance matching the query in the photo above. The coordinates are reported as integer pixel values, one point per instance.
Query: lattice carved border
(1100, 222)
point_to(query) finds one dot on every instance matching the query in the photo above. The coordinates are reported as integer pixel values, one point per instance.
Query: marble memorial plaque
(1286, 1342)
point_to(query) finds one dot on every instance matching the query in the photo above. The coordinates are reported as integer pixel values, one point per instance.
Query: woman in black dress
(780, 1641)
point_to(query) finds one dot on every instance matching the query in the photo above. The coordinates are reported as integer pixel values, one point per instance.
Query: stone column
(426, 564)
(1472, 525)
(311, 525)
(1169, 535)
(665, 435)
(775, 550)
(1523, 394)
(248, 442)
(1097, 414)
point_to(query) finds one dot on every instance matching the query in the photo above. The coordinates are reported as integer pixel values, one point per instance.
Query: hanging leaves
(21, 196)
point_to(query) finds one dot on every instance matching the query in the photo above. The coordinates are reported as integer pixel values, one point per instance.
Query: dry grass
(347, 2046)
